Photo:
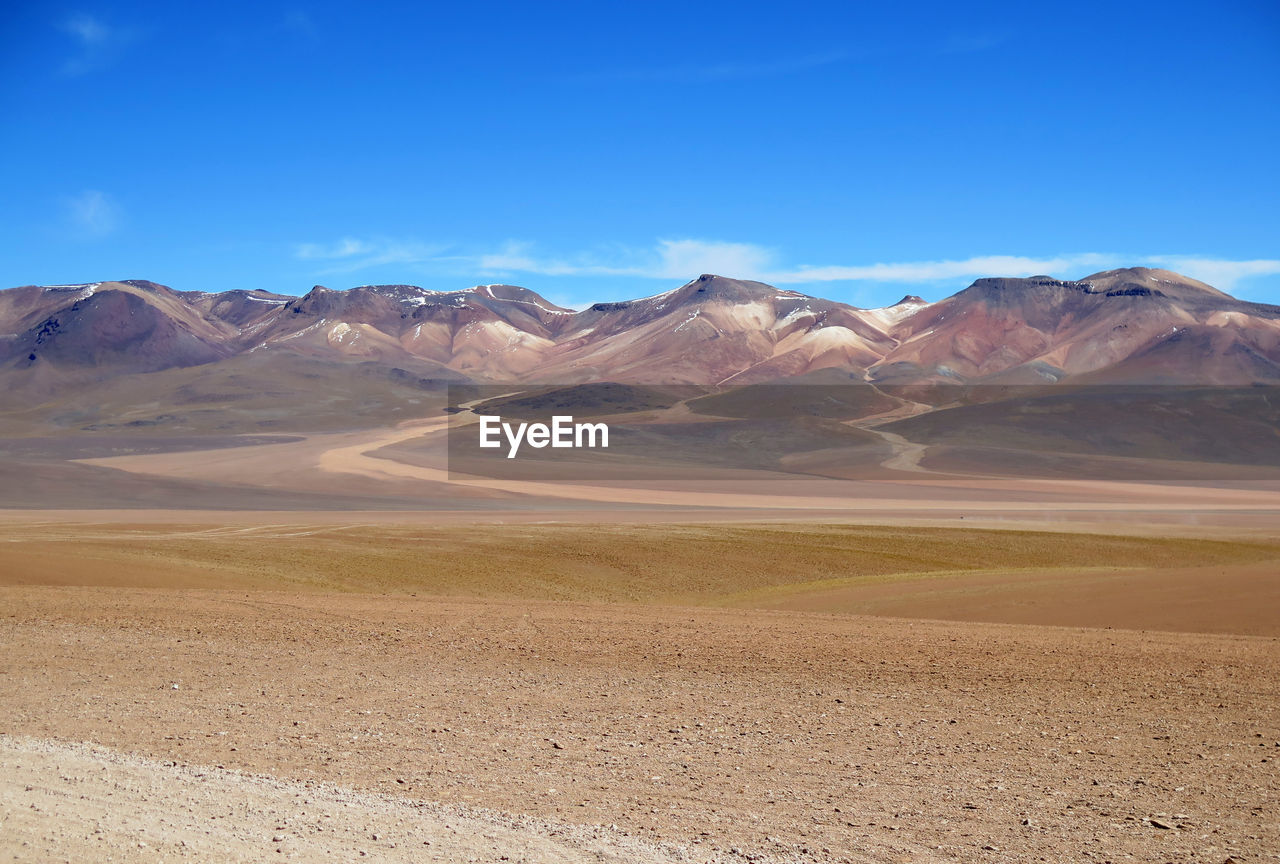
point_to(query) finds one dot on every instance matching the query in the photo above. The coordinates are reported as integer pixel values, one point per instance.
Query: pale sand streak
(90, 803)
(906, 454)
(348, 453)
(355, 459)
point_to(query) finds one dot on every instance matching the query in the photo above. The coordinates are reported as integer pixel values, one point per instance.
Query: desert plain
(922, 663)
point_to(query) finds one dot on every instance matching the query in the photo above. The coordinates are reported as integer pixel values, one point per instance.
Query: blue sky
(596, 151)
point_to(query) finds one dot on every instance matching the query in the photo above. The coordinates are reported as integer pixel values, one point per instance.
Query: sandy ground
(594, 692)
(786, 736)
(72, 802)
(1235, 524)
(758, 667)
(1224, 584)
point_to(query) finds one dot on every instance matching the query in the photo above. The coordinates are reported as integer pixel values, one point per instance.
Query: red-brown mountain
(1129, 325)
(1121, 325)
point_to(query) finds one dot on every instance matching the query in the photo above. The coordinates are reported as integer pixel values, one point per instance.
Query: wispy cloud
(937, 271)
(728, 71)
(97, 43)
(347, 247)
(702, 73)
(1217, 272)
(351, 254)
(86, 28)
(687, 257)
(683, 258)
(301, 23)
(93, 213)
(519, 257)
(970, 43)
(668, 259)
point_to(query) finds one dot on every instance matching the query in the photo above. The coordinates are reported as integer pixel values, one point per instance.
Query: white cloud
(520, 257)
(94, 213)
(685, 258)
(98, 43)
(1220, 273)
(351, 254)
(1216, 272)
(516, 257)
(86, 28)
(703, 73)
(344, 248)
(669, 259)
(937, 271)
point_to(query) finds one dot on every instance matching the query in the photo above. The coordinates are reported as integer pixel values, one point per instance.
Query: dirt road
(335, 461)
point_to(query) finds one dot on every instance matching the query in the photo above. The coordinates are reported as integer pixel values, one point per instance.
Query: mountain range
(1119, 326)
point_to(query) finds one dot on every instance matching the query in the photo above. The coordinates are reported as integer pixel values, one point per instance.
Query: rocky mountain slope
(1131, 325)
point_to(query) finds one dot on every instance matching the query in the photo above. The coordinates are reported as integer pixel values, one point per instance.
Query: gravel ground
(77, 802)
(718, 735)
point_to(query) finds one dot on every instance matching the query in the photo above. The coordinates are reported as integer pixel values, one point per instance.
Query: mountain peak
(1155, 280)
(711, 284)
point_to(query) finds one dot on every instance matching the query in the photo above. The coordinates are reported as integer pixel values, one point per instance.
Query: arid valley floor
(912, 666)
